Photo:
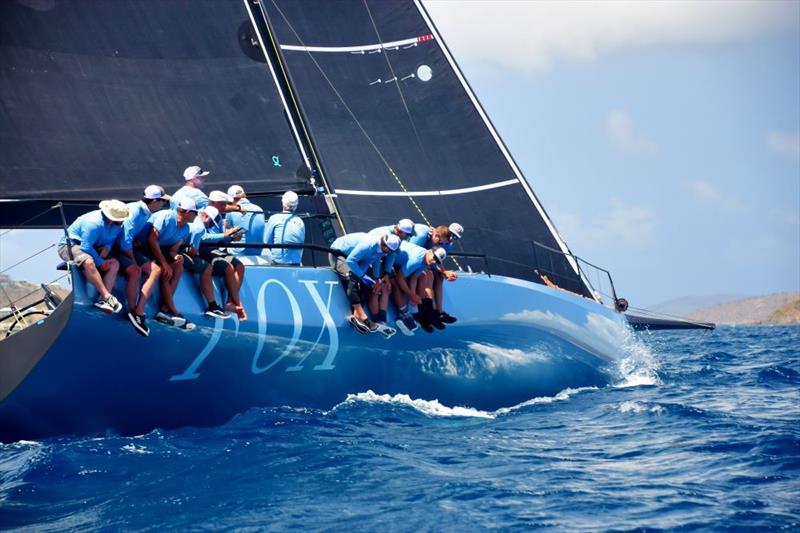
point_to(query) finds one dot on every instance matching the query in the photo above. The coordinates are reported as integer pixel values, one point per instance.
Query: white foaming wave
(428, 407)
(638, 366)
(132, 448)
(638, 408)
(436, 408)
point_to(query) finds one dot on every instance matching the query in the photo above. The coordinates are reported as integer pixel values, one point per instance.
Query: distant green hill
(787, 314)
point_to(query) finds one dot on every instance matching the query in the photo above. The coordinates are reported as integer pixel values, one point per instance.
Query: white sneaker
(115, 304)
(385, 330)
(105, 304)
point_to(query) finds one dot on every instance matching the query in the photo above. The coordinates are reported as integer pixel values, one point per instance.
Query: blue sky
(663, 138)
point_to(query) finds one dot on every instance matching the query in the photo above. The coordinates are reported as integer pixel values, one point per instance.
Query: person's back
(286, 228)
(252, 222)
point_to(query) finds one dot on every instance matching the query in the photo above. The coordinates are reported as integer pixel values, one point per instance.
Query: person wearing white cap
(224, 263)
(169, 232)
(193, 262)
(358, 254)
(132, 258)
(192, 188)
(286, 228)
(88, 244)
(414, 283)
(249, 217)
(444, 236)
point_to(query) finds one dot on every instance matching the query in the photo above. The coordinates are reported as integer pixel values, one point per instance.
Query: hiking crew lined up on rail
(160, 236)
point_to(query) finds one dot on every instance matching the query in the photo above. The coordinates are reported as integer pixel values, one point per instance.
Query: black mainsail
(399, 133)
(99, 99)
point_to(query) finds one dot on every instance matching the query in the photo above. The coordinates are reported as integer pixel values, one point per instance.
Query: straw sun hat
(114, 210)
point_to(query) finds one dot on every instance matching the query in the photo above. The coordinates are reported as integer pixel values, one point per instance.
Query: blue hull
(514, 340)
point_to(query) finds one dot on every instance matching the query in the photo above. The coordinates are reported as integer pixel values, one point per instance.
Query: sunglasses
(185, 211)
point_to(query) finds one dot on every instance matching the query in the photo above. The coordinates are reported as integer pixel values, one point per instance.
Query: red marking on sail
(423, 38)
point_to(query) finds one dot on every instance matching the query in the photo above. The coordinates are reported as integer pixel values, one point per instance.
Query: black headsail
(400, 134)
(99, 99)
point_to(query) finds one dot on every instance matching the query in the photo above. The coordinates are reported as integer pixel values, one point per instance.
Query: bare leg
(358, 311)
(233, 284)
(153, 272)
(205, 285)
(133, 273)
(425, 285)
(110, 275)
(438, 288)
(168, 287)
(93, 276)
(374, 298)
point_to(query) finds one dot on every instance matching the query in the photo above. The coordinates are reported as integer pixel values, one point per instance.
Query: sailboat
(357, 105)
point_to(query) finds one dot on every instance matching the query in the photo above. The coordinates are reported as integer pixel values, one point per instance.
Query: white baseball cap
(406, 226)
(155, 192)
(219, 196)
(439, 254)
(235, 190)
(290, 199)
(456, 230)
(392, 242)
(194, 172)
(187, 204)
(212, 213)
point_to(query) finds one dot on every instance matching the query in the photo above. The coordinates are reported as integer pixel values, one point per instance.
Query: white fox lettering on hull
(290, 301)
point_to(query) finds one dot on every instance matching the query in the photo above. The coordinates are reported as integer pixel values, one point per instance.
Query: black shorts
(219, 261)
(194, 263)
(125, 261)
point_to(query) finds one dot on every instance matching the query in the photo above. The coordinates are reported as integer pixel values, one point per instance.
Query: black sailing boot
(424, 314)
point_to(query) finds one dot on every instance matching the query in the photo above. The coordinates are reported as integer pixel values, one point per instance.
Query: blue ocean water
(701, 432)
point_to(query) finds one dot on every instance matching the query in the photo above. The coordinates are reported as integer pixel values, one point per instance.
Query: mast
(290, 103)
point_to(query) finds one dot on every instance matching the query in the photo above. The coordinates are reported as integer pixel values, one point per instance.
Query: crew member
(193, 178)
(224, 263)
(246, 215)
(170, 232)
(286, 228)
(132, 257)
(414, 284)
(193, 262)
(360, 252)
(91, 237)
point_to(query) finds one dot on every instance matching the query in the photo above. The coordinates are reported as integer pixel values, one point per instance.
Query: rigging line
(295, 102)
(13, 304)
(29, 257)
(352, 115)
(22, 224)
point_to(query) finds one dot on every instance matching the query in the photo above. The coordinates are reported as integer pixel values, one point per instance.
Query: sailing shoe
(373, 327)
(385, 330)
(424, 321)
(360, 326)
(406, 324)
(180, 322)
(188, 326)
(105, 305)
(447, 319)
(164, 318)
(436, 320)
(115, 303)
(215, 311)
(139, 324)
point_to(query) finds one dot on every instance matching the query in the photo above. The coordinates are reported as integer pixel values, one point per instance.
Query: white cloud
(619, 224)
(707, 193)
(784, 144)
(531, 35)
(624, 137)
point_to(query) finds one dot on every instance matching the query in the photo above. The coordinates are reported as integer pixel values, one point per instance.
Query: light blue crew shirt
(422, 237)
(196, 231)
(252, 222)
(215, 233)
(134, 226)
(93, 231)
(362, 251)
(166, 223)
(411, 258)
(197, 195)
(285, 228)
(386, 265)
